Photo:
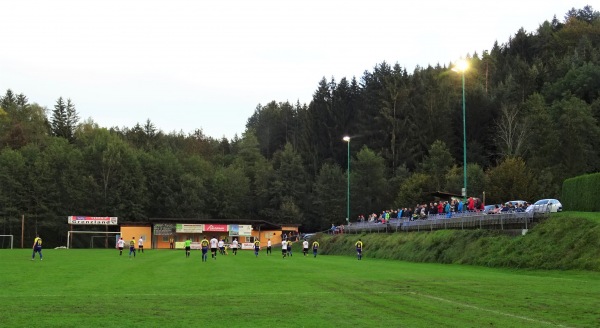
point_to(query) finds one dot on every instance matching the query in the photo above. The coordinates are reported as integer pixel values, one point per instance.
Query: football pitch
(163, 288)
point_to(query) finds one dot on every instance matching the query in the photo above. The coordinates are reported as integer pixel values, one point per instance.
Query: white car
(547, 205)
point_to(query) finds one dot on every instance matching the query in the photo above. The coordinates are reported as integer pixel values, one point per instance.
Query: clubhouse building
(165, 233)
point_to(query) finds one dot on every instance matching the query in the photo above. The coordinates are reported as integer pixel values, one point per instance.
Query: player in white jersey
(221, 245)
(120, 245)
(214, 243)
(284, 248)
(140, 245)
(234, 246)
(305, 247)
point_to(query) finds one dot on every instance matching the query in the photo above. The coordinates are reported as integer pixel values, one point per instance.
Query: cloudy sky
(197, 64)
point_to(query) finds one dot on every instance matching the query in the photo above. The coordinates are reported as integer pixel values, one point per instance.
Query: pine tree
(64, 119)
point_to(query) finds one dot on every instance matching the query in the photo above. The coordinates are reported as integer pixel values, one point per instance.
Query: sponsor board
(164, 229)
(240, 230)
(247, 245)
(188, 228)
(215, 227)
(93, 220)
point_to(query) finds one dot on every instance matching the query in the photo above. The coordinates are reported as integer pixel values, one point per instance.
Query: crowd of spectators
(510, 207)
(438, 209)
(442, 208)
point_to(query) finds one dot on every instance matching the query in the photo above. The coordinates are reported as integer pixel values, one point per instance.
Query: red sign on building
(215, 227)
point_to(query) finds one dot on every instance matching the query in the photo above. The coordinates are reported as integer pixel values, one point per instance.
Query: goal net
(6, 241)
(92, 239)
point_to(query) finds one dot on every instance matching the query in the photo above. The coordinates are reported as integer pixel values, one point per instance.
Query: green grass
(592, 216)
(161, 288)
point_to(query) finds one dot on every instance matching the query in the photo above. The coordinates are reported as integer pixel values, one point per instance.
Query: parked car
(308, 236)
(492, 209)
(547, 205)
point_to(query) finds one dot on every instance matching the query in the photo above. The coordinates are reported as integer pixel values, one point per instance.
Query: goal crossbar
(11, 239)
(89, 232)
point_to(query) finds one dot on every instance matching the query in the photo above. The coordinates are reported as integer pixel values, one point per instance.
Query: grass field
(162, 288)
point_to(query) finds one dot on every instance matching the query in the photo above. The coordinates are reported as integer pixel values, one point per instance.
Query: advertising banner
(247, 246)
(215, 227)
(92, 220)
(188, 228)
(164, 229)
(245, 230)
(234, 229)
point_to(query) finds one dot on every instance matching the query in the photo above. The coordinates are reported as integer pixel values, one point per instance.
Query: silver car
(547, 205)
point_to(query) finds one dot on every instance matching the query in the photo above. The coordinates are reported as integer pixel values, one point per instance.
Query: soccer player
(213, 247)
(234, 246)
(284, 248)
(315, 246)
(359, 246)
(141, 245)
(37, 247)
(188, 247)
(305, 247)
(268, 246)
(120, 245)
(256, 247)
(132, 247)
(204, 243)
(289, 248)
(221, 246)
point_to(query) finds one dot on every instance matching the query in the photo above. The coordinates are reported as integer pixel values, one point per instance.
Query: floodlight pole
(347, 139)
(461, 67)
(464, 137)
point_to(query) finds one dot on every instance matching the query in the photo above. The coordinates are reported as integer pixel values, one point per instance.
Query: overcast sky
(196, 64)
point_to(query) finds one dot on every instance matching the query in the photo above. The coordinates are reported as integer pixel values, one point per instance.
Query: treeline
(532, 109)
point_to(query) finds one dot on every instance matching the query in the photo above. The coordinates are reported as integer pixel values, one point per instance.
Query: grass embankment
(565, 241)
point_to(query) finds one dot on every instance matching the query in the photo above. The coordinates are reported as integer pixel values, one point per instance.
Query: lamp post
(460, 67)
(347, 139)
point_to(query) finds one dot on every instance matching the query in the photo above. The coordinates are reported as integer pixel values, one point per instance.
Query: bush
(580, 193)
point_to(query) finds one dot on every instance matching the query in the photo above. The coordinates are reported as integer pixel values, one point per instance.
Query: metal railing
(465, 220)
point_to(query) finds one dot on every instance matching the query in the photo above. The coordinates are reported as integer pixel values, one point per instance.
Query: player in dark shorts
(315, 246)
(359, 246)
(37, 247)
(204, 243)
(268, 246)
(132, 247)
(305, 247)
(289, 248)
(256, 247)
(188, 247)
(284, 248)
(214, 244)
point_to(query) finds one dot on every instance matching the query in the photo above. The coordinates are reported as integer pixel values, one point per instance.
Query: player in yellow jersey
(289, 248)
(256, 247)
(204, 243)
(37, 247)
(315, 247)
(132, 247)
(359, 247)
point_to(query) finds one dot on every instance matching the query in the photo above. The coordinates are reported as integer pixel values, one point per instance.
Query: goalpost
(11, 241)
(103, 234)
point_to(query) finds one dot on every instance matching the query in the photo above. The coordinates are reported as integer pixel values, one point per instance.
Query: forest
(532, 111)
